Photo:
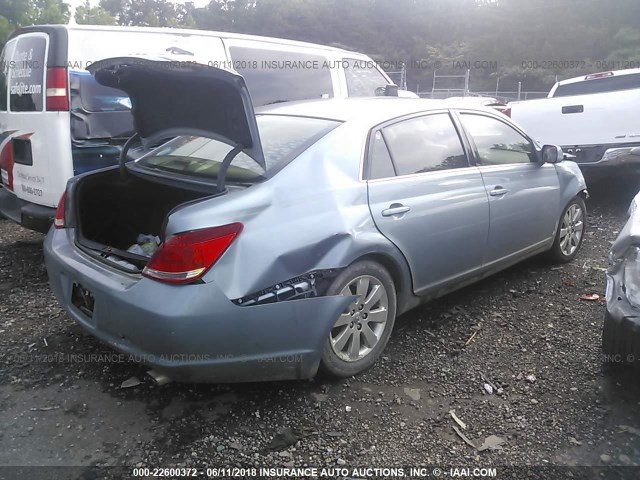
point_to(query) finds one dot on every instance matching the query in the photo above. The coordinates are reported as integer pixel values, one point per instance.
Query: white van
(56, 121)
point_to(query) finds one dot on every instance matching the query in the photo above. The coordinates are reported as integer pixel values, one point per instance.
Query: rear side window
(274, 76)
(380, 165)
(599, 85)
(26, 74)
(363, 78)
(425, 144)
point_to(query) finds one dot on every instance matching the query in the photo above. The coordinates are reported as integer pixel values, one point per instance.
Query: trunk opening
(111, 212)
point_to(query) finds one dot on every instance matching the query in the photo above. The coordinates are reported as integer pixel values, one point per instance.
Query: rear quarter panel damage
(312, 215)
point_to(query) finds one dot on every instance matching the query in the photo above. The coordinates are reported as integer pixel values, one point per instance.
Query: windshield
(363, 77)
(283, 138)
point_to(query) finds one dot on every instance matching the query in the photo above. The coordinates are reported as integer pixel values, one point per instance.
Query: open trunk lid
(171, 98)
(167, 99)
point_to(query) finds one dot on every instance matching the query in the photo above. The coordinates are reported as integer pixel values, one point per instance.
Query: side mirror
(552, 154)
(387, 91)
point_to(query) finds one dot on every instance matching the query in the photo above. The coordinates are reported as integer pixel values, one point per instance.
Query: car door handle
(498, 192)
(573, 109)
(395, 209)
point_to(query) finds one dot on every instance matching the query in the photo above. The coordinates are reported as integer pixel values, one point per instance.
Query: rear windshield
(95, 97)
(599, 85)
(98, 112)
(283, 138)
(25, 70)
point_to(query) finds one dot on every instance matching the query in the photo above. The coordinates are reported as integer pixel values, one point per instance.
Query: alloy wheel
(360, 327)
(572, 229)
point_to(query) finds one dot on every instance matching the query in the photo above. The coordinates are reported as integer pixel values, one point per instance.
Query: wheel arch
(401, 276)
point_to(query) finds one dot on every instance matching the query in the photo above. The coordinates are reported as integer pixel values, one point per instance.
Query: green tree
(16, 13)
(150, 13)
(86, 14)
(47, 11)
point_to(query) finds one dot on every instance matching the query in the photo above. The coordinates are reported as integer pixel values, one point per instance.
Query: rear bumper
(29, 215)
(603, 161)
(192, 332)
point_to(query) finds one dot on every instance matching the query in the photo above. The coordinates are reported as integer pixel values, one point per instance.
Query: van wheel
(571, 230)
(361, 333)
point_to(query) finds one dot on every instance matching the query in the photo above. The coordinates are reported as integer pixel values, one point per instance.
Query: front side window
(283, 138)
(363, 77)
(425, 144)
(275, 76)
(26, 74)
(497, 142)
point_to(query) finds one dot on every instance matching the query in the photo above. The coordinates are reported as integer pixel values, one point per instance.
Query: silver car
(621, 331)
(265, 245)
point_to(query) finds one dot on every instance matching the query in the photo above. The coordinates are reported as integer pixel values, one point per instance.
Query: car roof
(191, 32)
(475, 100)
(376, 109)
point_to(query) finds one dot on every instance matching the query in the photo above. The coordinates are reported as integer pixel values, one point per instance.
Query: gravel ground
(525, 332)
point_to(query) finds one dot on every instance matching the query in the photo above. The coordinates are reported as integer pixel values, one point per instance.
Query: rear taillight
(6, 165)
(187, 256)
(57, 89)
(506, 111)
(58, 222)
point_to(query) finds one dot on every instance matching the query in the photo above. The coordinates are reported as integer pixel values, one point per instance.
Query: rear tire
(571, 230)
(361, 333)
(619, 344)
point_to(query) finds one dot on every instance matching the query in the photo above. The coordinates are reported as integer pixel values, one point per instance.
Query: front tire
(571, 230)
(361, 333)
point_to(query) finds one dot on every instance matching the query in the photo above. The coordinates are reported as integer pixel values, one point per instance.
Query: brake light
(593, 76)
(507, 111)
(187, 256)
(57, 89)
(58, 222)
(6, 165)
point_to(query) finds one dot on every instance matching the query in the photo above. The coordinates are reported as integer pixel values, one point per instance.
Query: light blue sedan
(265, 245)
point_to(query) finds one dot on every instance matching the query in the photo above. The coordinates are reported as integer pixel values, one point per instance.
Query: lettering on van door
(26, 74)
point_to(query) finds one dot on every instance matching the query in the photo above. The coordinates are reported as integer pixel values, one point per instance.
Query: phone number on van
(31, 191)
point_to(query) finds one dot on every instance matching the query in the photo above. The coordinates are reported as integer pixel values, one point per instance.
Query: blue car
(268, 244)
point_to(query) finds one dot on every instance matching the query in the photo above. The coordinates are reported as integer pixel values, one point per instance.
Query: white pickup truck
(594, 118)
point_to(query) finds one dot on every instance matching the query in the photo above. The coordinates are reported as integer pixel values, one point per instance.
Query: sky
(77, 3)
